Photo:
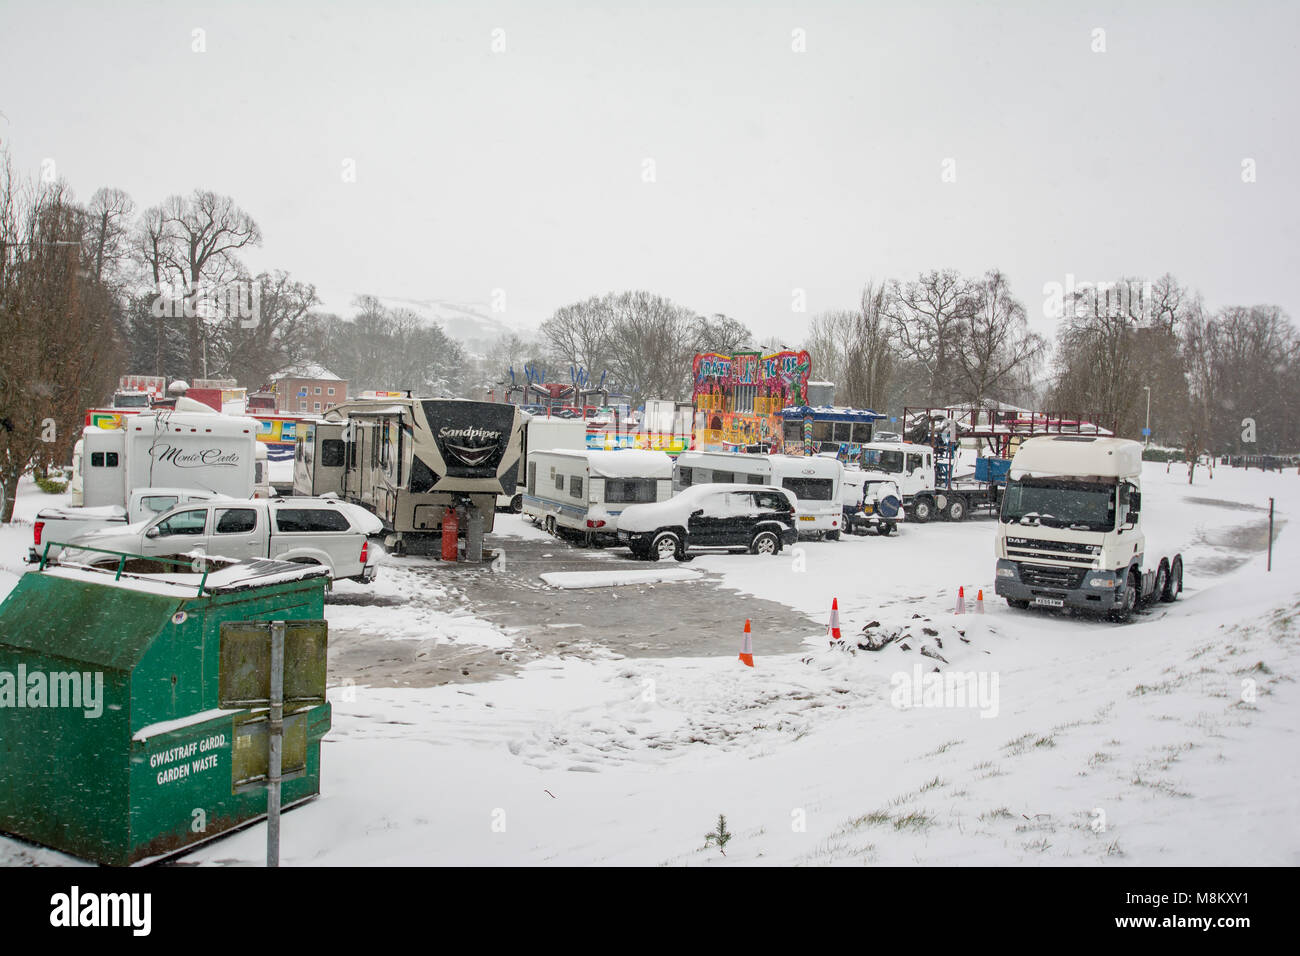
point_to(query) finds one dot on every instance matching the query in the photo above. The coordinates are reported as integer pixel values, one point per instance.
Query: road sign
(1146, 432)
(265, 665)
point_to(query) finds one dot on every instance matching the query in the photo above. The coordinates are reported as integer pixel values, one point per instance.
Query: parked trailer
(542, 432)
(410, 460)
(1070, 533)
(815, 482)
(586, 491)
(189, 447)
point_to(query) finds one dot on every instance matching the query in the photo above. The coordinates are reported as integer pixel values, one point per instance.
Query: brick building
(307, 390)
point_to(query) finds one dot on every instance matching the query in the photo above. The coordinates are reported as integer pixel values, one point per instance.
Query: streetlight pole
(1148, 428)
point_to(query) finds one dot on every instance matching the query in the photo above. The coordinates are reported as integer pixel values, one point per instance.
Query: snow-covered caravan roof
(814, 466)
(1079, 456)
(631, 463)
(616, 463)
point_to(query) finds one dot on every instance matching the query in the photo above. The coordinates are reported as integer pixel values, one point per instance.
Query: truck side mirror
(1134, 505)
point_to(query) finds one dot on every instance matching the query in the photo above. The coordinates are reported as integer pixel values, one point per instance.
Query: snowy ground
(1171, 740)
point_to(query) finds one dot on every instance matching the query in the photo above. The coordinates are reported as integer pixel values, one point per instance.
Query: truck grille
(1043, 576)
(1076, 553)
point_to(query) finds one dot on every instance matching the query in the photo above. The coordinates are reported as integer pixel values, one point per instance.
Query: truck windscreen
(890, 462)
(1056, 503)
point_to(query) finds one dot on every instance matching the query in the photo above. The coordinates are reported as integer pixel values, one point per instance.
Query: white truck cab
(1070, 532)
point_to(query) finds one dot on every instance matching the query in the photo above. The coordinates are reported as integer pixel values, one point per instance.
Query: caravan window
(723, 477)
(754, 479)
(575, 486)
(684, 477)
(809, 489)
(103, 459)
(630, 491)
(559, 482)
(532, 477)
(331, 453)
(822, 431)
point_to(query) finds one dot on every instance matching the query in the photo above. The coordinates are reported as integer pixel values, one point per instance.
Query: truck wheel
(1161, 583)
(765, 542)
(1174, 582)
(832, 536)
(956, 510)
(1019, 605)
(666, 544)
(922, 509)
(1121, 614)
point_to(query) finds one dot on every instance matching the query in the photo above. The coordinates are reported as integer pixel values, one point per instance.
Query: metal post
(1148, 429)
(1270, 534)
(276, 738)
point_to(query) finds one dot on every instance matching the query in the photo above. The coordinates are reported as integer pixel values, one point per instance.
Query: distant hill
(473, 324)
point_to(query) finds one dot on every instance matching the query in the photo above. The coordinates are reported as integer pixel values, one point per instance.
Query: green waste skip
(113, 744)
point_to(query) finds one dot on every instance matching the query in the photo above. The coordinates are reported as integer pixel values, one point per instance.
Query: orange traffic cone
(835, 619)
(747, 648)
(979, 602)
(961, 600)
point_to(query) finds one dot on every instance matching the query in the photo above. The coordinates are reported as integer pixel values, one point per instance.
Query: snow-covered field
(1170, 740)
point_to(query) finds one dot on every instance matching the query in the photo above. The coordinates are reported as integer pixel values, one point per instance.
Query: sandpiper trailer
(585, 491)
(1070, 533)
(815, 482)
(409, 460)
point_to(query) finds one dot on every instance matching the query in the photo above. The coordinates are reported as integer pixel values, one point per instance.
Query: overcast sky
(773, 170)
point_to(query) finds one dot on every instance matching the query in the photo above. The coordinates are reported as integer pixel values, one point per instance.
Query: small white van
(586, 491)
(815, 482)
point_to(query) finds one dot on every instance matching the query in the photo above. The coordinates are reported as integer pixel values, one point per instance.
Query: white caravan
(586, 491)
(1070, 533)
(542, 433)
(815, 482)
(189, 447)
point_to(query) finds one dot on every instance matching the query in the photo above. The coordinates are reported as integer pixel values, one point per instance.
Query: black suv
(755, 518)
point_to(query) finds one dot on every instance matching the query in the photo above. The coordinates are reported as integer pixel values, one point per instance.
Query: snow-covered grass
(1167, 741)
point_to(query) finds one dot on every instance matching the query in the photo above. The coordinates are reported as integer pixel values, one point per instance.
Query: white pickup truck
(322, 531)
(64, 524)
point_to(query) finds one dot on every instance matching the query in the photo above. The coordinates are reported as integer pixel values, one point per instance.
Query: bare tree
(281, 329)
(58, 329)
(997, 353)
(927, 316)
(190, 245)
(108, 232)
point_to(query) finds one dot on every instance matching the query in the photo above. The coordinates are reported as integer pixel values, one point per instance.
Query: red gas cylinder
(450, 532)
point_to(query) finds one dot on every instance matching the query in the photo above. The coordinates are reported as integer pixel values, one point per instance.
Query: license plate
(1049, 602)
(624, 536)
(807, 518)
